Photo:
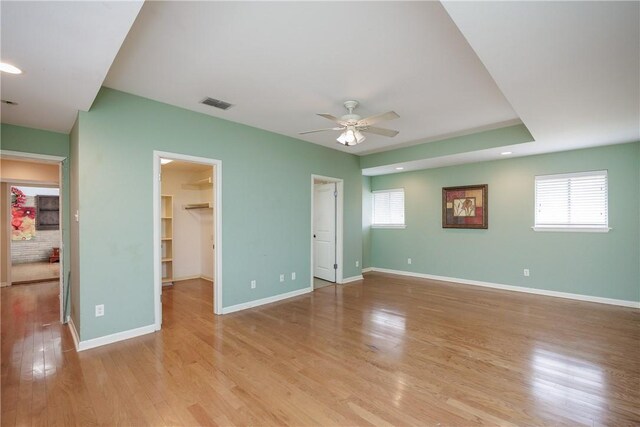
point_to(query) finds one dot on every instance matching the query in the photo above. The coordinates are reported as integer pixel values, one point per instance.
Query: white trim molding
(217, 261)
(180, 279)
(9, 154)
(107, 339)
(367, 270)
(351, 279)
(268, 300)
(339, 225)
(567, 295)
(572, 229)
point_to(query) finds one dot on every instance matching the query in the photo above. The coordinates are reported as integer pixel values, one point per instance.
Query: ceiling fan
(352, 125)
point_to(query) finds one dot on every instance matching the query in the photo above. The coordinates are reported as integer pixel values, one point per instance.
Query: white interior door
(324, 231)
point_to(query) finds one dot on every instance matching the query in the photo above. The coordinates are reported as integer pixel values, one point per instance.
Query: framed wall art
(465, 207)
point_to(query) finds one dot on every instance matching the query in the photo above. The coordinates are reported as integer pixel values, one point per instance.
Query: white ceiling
(280, 63)
(569, 70)
(64, 50)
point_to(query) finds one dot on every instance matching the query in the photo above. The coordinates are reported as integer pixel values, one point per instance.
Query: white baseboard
(351, 279)
(268, 300)
(368, 269)
(567, 295)
(203, 277)
(180, 279)
(107, 339)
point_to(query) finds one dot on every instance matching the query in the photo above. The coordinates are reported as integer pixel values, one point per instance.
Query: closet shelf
(199, 184)
(198, 206)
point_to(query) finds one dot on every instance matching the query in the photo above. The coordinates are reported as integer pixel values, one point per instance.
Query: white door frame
(217, 259)
(339, 225)
(39, 158)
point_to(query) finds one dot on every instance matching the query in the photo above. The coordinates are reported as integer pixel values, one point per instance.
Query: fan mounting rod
(350, 105)
(351, 118)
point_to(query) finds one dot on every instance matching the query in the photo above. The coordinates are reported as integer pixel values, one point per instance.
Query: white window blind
(574, 200)
(388, 207)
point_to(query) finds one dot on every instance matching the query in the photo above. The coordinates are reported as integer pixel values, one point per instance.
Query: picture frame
(47, 212)
(465, 207)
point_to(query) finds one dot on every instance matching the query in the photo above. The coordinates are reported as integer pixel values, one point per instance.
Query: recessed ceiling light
(505, 153)
(165, 161)
(399, 168)
(8, 68)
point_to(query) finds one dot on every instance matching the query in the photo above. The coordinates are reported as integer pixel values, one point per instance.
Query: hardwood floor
(387, 351)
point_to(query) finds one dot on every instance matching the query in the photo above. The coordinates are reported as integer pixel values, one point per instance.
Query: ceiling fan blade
(380, 131)
(319, 130)
(333, 119)
(389, 115)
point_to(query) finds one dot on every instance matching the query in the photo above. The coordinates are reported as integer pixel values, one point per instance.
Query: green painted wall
(366, 221)
(266, 205)
(596, 264)
(28, 140)
(34, 141)
(510, 135)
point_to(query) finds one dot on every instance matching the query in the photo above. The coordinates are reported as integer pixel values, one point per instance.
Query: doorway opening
(35, 234)
(31, 242)
(187, 228)
(326, 230)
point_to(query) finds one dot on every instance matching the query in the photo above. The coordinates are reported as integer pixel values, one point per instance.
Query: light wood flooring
(388, 350)
(319, 283)
(35, 272)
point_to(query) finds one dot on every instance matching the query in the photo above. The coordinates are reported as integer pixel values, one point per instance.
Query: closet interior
(187, 219)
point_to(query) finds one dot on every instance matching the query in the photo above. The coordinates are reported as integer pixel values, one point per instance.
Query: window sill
(574, 229)
(389, 226)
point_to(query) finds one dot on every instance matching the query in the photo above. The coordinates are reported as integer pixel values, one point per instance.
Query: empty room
(334, 213)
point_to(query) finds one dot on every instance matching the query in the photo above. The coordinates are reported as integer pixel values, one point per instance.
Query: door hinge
(335, 266)
(159, 177)
(335, 193)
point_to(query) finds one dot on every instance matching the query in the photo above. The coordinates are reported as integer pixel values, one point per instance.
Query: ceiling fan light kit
(352, 125)
(351, 136)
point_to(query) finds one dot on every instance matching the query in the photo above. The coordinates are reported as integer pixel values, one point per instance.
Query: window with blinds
(388, 208)
(573, 201)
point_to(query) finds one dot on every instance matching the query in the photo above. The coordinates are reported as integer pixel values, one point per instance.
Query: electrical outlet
(99, 310)
(253, 284)
(357, 263)
(293, 276)
(282, 277)
(408, 260)
(526, 272)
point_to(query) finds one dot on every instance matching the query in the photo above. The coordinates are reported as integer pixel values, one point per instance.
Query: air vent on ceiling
(216, 103)
(4, 101)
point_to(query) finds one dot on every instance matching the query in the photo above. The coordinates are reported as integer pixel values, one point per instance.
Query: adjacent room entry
(326, 231)
(187, 228)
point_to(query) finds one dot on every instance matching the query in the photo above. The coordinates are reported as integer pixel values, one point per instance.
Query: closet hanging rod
(198, 206)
